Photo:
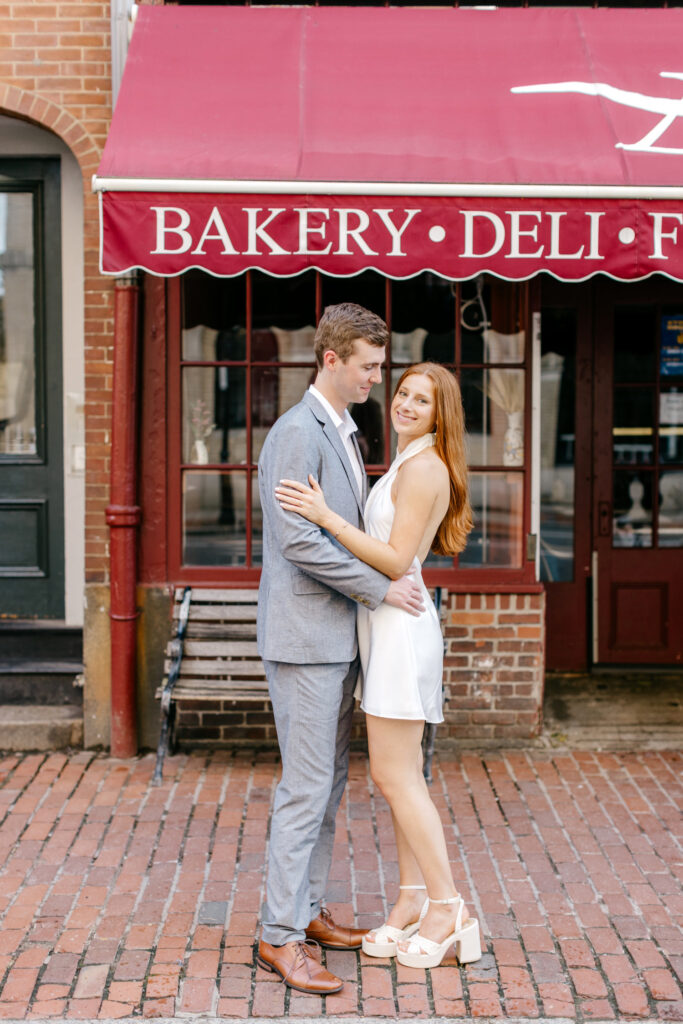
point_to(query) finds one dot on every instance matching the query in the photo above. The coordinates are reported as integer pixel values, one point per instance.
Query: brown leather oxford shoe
(334, 936)
(296, 964)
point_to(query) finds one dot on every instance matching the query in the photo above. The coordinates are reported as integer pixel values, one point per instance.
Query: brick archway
(46, 114)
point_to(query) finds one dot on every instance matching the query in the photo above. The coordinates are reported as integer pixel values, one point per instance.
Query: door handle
(604, 519)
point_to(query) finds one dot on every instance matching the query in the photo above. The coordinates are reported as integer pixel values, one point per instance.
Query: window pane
(494, 416)
(423, 320)
(633, 426)
(17, 326)
(632, 510)
(214, 414)
(367, 289)
(285, 303)
(218, 304)
(671, 346)
(558, 398)
(671, 426)
(274, 391)
(670, 525)
(256, 523)
(369, 418)
(497, 503)
(634, 343)
(492, 329)
(214, 518)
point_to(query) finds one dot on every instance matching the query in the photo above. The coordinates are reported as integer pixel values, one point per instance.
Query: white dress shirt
(345, 427)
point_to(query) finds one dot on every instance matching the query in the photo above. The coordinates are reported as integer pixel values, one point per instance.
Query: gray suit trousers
(312, 706)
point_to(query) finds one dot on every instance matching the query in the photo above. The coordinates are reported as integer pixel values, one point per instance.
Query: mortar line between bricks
(676, 779)
(211, 843)
(652, 1003)
(608, 782)
(173, 789)
(558, 947)
(206, 757)
(644, 835)
(354, 902)
(503, 883)
(10, 777)
(382, 883)
(666, 794)
(626, 952)
(84, 764)
(238, 857)
(100, 846)
(227, 779)
(465, 862)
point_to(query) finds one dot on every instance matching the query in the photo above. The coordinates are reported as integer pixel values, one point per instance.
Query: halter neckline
(420, 444)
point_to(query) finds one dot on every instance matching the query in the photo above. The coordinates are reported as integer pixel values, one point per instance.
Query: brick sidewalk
(114, 895)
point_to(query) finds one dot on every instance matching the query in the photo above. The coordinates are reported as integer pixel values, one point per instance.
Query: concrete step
(44, 727)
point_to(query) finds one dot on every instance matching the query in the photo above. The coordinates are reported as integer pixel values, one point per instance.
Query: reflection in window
(497, 504)
(214, 518)
(633, 426)
(17, 324)
(558, 400)
(632, 510)
(670, 522)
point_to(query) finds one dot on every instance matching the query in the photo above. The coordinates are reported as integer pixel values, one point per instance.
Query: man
(307, 639)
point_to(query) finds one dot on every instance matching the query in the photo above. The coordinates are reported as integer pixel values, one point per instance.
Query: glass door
(638, 512)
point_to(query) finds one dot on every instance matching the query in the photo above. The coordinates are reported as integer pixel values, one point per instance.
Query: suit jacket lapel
(363, 474)
(332, 434)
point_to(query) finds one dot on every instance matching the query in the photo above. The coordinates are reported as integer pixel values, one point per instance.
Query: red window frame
(455, 578)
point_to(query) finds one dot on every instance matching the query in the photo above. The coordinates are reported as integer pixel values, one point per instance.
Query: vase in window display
(200, 453)
(513, 441)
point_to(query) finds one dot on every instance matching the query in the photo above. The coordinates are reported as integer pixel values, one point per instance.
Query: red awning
(508, 141)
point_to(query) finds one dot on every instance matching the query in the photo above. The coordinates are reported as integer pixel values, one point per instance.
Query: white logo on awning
(669, 109)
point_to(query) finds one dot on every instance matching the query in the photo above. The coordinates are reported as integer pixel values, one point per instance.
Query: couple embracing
(341, 600)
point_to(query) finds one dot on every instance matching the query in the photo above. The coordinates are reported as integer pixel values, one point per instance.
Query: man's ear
(330, 359)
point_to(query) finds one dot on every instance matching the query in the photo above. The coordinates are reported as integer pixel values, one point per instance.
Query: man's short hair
(343, 324)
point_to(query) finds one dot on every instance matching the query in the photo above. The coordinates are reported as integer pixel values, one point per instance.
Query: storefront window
(647, 428)
(247, 356)
(558, 444)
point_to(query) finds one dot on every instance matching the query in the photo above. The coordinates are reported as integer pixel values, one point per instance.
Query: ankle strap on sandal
(453, 899)
(412, 886)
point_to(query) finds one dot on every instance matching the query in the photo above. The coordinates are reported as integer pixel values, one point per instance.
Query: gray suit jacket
(310, 583)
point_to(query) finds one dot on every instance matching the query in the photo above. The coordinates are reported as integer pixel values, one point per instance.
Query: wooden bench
(211, 655)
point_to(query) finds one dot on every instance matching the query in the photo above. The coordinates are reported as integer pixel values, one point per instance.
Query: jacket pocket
(302, 583)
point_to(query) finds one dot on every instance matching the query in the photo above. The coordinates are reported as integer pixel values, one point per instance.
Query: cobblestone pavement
(120, 899)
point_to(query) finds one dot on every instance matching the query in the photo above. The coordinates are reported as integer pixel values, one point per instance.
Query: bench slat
(226, 612)
(198, 648)
(202, 595)
(227, 668)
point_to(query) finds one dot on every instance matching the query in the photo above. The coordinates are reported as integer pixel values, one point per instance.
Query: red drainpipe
(123, 517)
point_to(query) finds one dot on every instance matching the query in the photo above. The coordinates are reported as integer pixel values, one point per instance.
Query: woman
(420, 504)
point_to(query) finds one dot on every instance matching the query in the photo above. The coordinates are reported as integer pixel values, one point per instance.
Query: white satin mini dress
(401, 654)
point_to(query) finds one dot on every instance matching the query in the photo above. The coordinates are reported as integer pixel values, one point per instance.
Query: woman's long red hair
(449, 445)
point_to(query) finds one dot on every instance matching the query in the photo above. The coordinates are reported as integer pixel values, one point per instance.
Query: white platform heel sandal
(422, 952)
(387, 937)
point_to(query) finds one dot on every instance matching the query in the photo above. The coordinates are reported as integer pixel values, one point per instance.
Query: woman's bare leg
(396, 768)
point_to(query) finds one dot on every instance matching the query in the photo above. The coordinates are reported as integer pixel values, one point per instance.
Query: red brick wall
(493, 671)
(55, 71)
(493, 681)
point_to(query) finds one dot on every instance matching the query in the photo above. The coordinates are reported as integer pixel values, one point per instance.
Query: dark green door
(31, 448)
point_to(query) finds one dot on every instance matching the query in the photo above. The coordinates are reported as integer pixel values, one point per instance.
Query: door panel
(638, 488)
(31, 455)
